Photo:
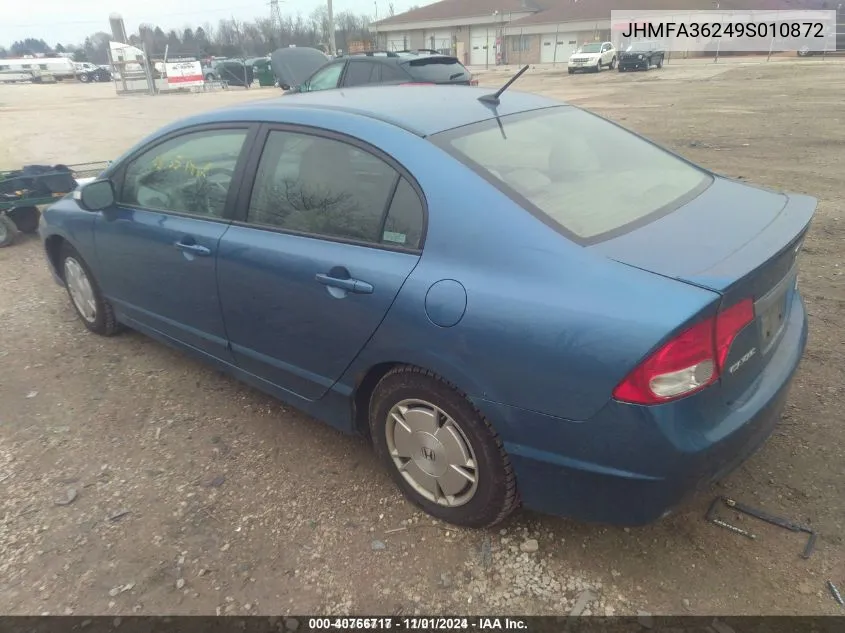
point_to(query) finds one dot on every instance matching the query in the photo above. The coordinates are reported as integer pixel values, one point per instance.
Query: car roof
(423, 110)
(397, 57)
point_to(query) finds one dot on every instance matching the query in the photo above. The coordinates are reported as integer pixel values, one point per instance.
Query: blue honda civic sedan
(517, 301)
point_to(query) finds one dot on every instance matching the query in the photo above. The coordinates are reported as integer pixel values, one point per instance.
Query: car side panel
(548, 326)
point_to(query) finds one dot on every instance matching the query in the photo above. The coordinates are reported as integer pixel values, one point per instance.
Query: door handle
(193, 249)
(350, 285)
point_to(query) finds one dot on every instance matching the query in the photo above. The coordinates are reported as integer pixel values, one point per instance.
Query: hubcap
(81, 292)
(432, 452)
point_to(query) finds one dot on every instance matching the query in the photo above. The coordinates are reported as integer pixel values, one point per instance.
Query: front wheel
(25, 218)
(85, 295)
(84, 79)
(440, 451)
(8, 230)
(660, 63)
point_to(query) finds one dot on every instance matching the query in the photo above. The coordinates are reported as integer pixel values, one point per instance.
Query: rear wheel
(440, 451)
(612, 64)
(84, 78)
(8, 231)
(660, 63)
(570, 71)
(25, 218)
(96, 313)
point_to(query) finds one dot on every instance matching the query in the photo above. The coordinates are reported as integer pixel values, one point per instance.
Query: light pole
(332, 50)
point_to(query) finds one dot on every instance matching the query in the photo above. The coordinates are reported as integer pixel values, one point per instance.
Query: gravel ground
(136, 480)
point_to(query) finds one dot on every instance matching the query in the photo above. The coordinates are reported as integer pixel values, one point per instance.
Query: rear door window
(390, 73)
(437, 70)
(586, 175)
(359, 73)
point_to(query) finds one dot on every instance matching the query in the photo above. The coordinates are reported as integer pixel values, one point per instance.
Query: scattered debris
(180, 583)
(394, 530)
(127, 587)
(581, 603)
(446, 580)
(763, 516)
(377, 546)
(117, 516)
(645, 619)
(218, 481)
(486, 552)
(70, 497)
(529, 546)
(225, 547)
(835, 593)
(720, 627)
(114, 591)
(32, 394)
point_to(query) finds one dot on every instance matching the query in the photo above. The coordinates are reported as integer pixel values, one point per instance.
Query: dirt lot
(194, 494)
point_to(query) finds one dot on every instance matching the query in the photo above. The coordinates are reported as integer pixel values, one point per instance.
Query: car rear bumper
(630, 465)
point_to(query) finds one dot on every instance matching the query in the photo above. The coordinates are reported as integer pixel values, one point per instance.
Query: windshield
(586, 174)
(590, 48)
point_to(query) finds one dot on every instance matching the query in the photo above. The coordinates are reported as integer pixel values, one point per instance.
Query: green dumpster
(264, 72)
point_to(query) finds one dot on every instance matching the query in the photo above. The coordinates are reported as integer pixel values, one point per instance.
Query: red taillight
(689, 362)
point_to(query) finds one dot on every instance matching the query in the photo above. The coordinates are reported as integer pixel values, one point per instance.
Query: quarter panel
(549, 326)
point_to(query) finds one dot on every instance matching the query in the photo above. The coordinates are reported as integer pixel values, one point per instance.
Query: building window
(520, 43)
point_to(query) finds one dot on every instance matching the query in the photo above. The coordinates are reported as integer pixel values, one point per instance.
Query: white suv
(593, 56)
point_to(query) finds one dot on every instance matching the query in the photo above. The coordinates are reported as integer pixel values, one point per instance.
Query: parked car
(88, 73)
(593, 57)
(641, 56)
(299, 70)
(513, 298)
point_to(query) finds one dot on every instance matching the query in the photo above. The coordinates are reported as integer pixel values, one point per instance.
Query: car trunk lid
(739, 241)
(294, 65)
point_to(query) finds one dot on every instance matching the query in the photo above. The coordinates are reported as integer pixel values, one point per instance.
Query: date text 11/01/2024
(417, 624)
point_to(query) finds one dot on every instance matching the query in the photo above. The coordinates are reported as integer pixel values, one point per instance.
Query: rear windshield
(437, 69)
(588, 176)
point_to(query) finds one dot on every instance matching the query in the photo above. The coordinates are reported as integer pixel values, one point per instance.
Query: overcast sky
(70, 21)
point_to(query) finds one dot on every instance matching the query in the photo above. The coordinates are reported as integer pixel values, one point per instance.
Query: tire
(8, 231)
(598, 66)
(660, 63)
(103, 321)
(612, 64)
(620, 69)
(482, 503)
(570, 71)
(84, 78)
(209, 77)
(25, 218)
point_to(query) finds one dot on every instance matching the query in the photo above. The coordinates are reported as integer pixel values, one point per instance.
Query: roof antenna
(494, 98)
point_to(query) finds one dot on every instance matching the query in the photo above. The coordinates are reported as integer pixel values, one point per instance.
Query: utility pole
(276, 19)
(332, 50)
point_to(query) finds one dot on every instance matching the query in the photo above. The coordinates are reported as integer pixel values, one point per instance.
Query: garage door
(397, 42)
(441, 41)
(482, 44)
(551, 51)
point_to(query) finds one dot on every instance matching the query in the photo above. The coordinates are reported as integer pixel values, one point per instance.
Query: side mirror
(95, 196)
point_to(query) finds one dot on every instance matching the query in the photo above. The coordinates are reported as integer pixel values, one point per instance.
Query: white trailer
(59, 67)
